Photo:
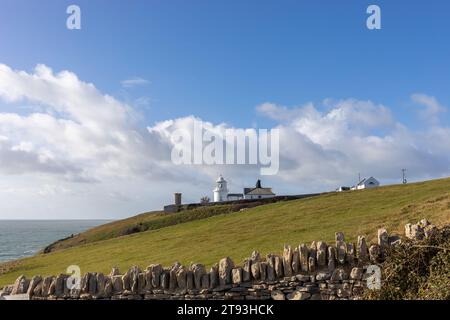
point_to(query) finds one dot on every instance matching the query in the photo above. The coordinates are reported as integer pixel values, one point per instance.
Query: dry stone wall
(318, 271)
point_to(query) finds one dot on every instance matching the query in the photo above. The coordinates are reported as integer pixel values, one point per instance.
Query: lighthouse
(221, 191)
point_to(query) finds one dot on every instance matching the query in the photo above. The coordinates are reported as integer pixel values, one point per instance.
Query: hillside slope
(265, 228)
(159, 219)
(140, 223)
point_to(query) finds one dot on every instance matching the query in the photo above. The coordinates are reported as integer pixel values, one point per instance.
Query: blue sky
(246, 63)
(216, 59)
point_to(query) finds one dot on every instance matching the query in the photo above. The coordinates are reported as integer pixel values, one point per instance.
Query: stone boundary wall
(319, 271)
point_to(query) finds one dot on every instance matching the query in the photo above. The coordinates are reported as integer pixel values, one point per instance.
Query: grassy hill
(265, 228)
(140, 223)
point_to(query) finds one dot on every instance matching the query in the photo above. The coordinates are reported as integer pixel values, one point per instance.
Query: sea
(23, 238)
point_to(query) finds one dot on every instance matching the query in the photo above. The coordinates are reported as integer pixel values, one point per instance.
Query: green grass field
(142, 222)
(265, 228)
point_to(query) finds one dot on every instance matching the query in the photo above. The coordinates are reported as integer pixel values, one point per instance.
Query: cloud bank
(353, 137)
(82, 153)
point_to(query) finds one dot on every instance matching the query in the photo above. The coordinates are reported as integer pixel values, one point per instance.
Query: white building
(342, 189)
(221, 190)
(258, 192)
(367, 184)
(235, 196)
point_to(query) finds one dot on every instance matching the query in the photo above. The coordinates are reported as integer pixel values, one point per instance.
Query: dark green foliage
(166, 220)
(417, 270)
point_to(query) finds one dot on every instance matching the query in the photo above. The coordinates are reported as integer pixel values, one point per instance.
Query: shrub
(417, 270)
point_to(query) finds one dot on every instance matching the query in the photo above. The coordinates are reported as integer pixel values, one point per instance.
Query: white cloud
(79, 134)
(83, 135)
(327, 148)
(134, 82)
(432, 108)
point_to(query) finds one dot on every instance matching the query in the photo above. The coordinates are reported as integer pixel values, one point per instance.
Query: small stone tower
(220, 191)
(177, 199)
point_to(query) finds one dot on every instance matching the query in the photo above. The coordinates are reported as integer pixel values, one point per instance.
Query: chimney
(177, 199)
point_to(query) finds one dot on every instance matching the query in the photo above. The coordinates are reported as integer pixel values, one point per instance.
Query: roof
(260, 191)
(363, 181)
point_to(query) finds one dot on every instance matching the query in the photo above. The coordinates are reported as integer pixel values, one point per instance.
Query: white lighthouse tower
(221, 191)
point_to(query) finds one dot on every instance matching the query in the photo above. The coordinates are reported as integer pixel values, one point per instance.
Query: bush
(418, 270)
(199, 213)
(133, 229)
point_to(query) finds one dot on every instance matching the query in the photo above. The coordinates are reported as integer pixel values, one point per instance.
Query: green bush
(417, 270)
(166, 220)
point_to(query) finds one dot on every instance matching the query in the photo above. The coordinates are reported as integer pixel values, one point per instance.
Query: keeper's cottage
(258, 192)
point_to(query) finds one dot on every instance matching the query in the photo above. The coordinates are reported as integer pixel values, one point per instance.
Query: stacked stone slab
(315, 271)
(420, 230)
